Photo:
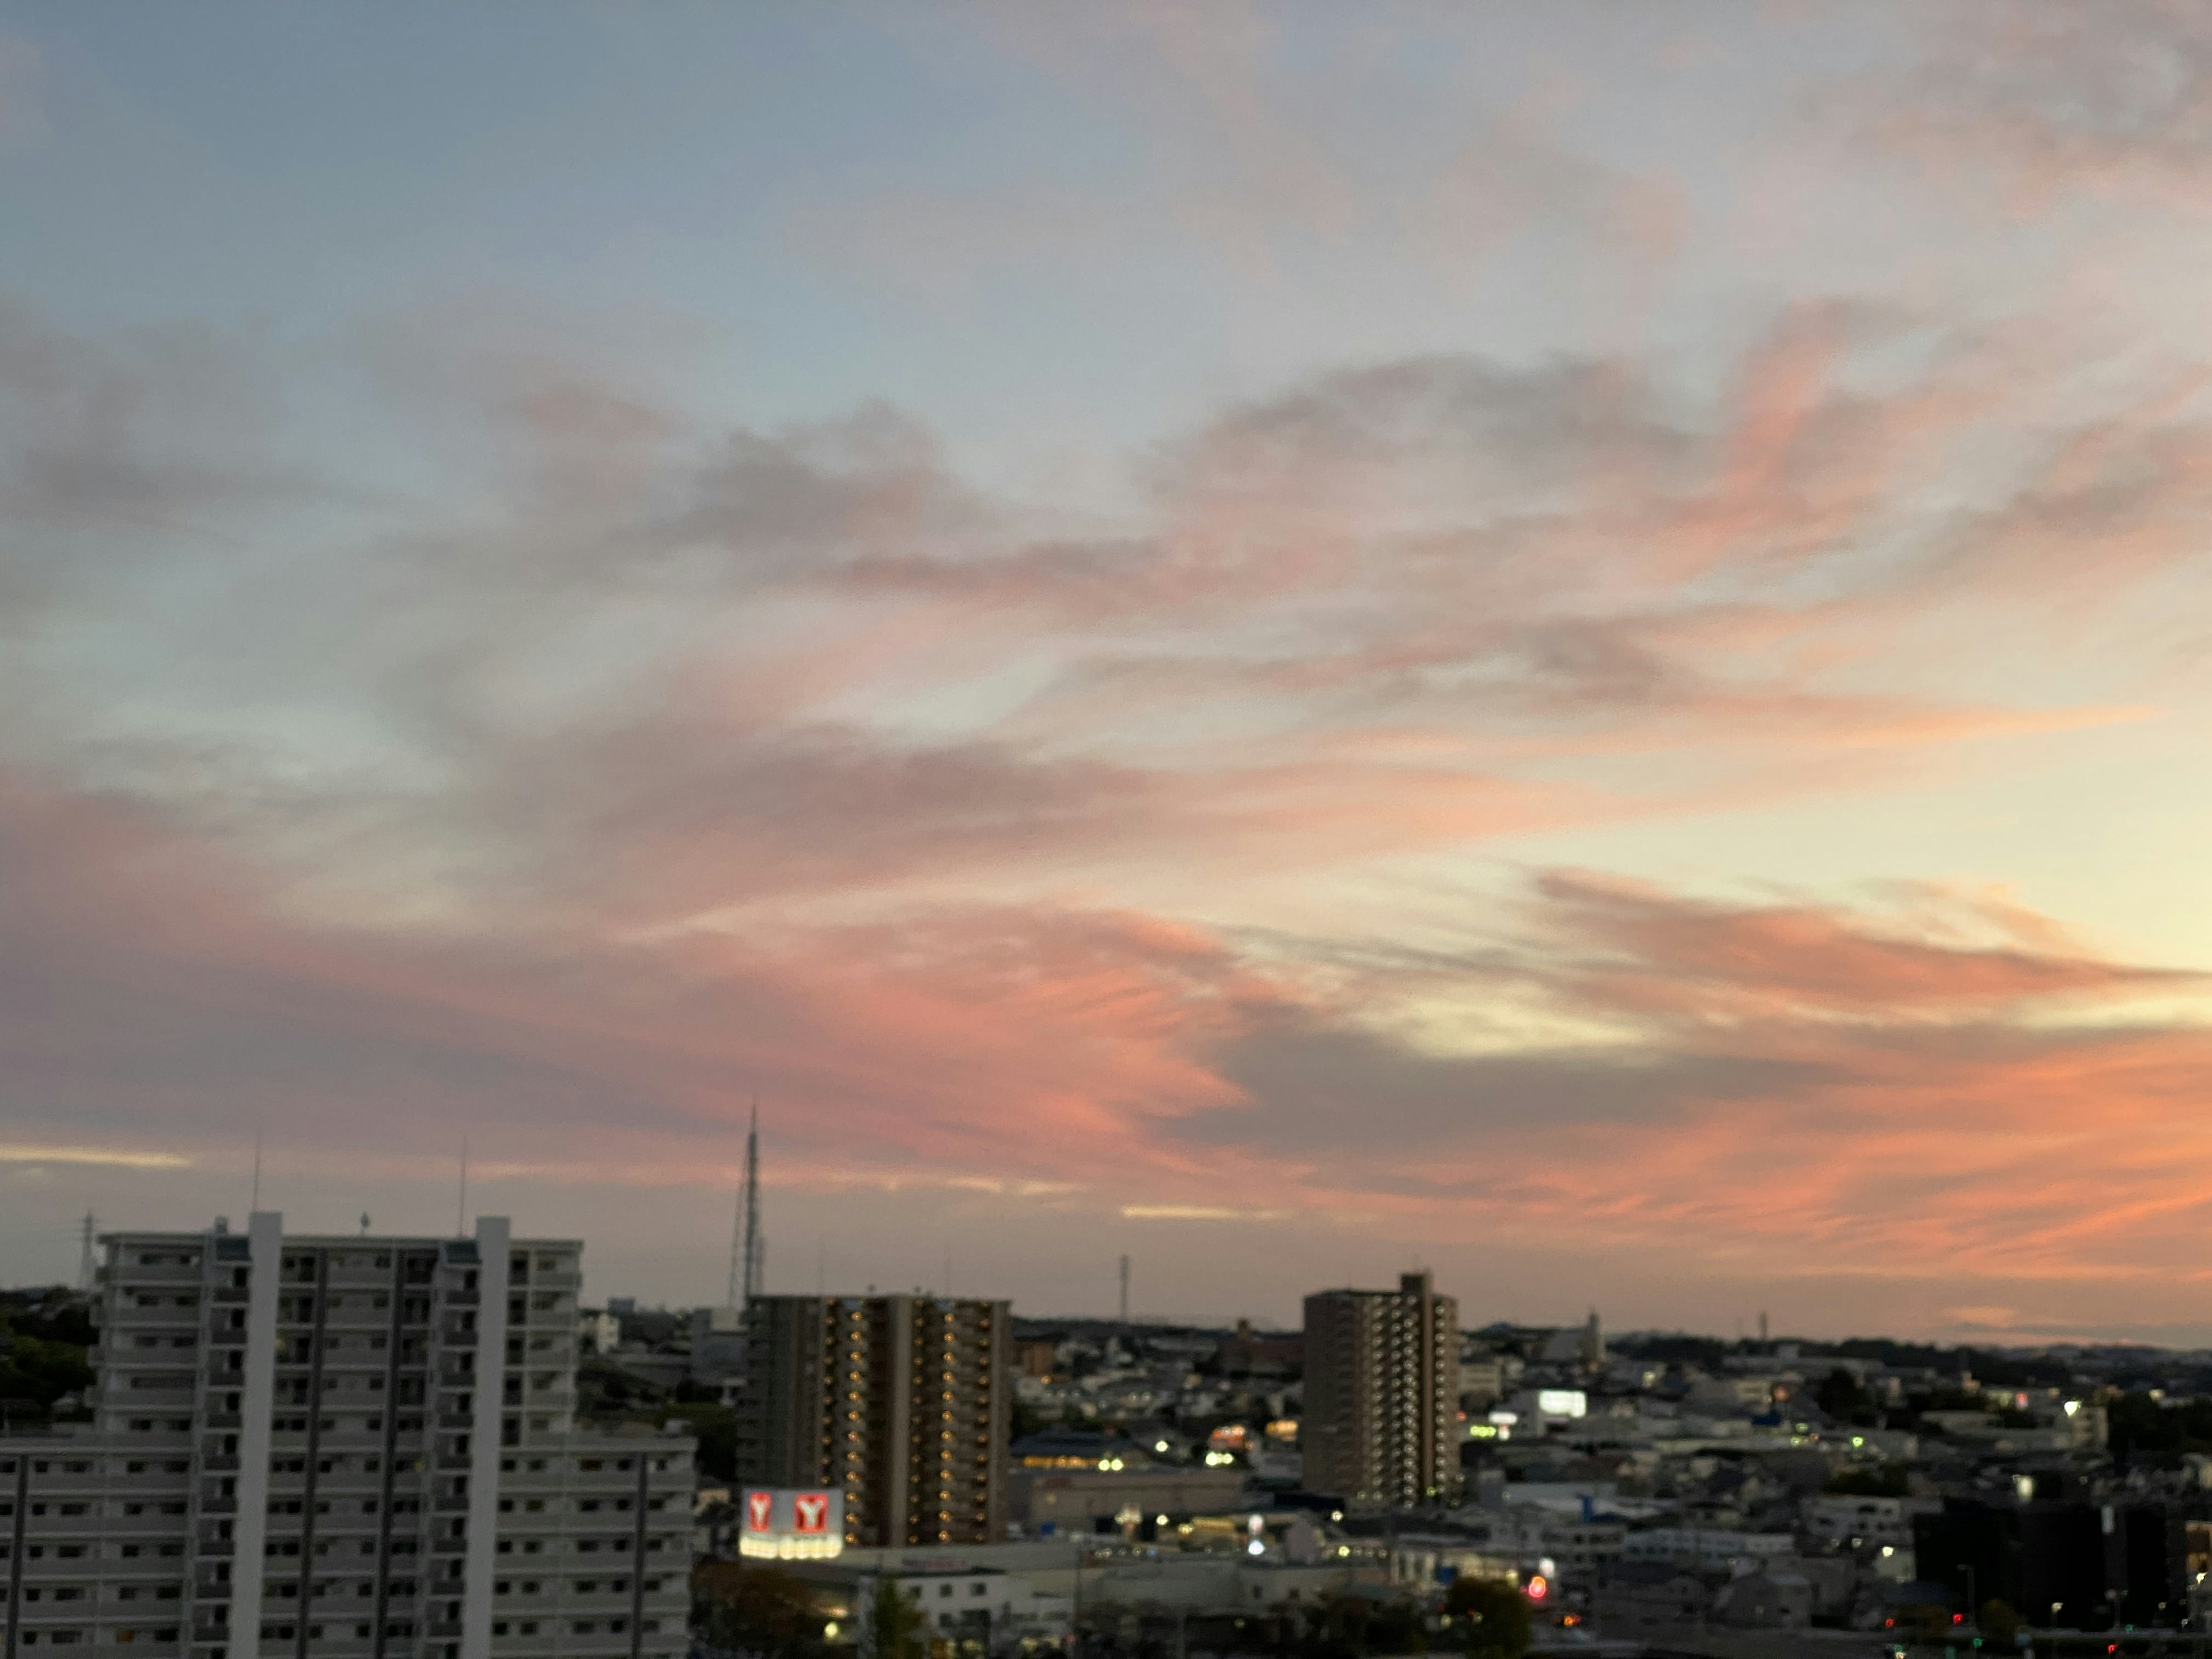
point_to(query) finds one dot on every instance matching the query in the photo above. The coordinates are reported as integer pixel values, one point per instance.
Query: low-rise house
(1768, 1598)
(1641, 1594)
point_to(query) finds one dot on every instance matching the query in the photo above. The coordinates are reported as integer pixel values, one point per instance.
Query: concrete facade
(900, 1401)
(353, 1447)
(1077, 1499)
(1381, 1429)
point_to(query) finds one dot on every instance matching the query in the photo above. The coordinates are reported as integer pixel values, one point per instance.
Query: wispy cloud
(1354, 813)
(107, 1157)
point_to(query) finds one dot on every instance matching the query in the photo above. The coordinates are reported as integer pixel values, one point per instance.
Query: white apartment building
(1709, 1549)
(1855, 1520)
(342, 1448)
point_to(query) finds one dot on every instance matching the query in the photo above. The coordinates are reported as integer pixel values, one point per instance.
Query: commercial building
(718, 1345)
(1050, 1501)
(1382, 1395)
(898, 1402)
(337, 1447)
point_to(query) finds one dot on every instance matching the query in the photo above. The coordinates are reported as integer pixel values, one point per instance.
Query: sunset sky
(1569, 643)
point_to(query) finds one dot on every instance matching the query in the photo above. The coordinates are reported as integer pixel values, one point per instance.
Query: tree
(897, 1629)
(41, 1372)
(1840, 1396)
(1928, 1621)
(1490, 1618)
(1890, 1480)
(1999, 1622)
(1349, 1626)
(762, 1609)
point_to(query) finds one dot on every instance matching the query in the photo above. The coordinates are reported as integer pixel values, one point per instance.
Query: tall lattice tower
(747, 1247)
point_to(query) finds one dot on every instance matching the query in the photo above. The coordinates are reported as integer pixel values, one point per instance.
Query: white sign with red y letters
(791, 1523)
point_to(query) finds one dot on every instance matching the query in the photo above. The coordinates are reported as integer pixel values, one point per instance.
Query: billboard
(1562, 1402)
(788, 1523)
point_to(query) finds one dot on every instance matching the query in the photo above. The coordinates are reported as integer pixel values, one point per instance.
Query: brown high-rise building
(1381, 1428)
(901, 1403)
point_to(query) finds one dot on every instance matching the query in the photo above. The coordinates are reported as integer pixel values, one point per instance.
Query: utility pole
(1125, 1290)
(88, 1272)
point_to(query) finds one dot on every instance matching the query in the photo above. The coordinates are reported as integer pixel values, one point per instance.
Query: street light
(1974, 1602)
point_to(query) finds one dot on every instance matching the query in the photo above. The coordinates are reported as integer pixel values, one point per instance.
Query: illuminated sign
(783, 1524)
(1562, 1402)
(1539, 1587)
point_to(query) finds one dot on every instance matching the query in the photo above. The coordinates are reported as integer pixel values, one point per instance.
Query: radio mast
(746, 1245)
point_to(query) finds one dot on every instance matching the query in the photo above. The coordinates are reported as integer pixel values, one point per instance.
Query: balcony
(218, 1506)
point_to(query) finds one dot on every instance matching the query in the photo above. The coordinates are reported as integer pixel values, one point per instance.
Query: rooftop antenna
(1125, 1290)
(364, 1224)
(745, 1249)
(86, 1269)
(461, 1204)
(256, 1204)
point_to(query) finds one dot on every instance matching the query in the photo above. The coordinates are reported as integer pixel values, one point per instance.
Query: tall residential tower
(1382, 1395)
(900, 1402)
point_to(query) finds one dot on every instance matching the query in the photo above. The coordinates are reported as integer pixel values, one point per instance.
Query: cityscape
(1105, 829)
(364, 1445)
